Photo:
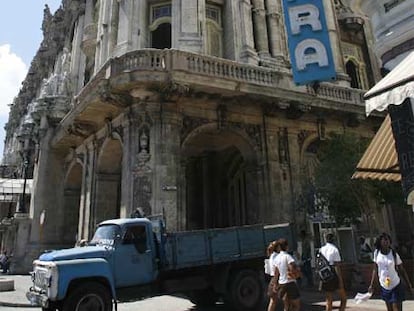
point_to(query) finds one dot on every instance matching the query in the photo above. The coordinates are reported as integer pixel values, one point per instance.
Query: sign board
(308, 41)
(402, 123)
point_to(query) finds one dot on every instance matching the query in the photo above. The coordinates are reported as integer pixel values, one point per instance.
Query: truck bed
(211, 246)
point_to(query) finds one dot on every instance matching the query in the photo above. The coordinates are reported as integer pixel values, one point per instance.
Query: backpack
(325, 271)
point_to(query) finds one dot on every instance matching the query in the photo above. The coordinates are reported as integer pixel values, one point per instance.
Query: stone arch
(71, 202)
(239, 137)
(108, 180)
(309, 140)
(221, 178)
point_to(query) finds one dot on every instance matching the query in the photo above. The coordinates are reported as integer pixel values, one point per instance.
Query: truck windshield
(105, 235)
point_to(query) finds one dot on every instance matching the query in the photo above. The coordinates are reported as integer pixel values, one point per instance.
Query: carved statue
(58, 84)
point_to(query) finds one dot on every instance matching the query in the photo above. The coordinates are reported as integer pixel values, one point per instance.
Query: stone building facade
(185, 108)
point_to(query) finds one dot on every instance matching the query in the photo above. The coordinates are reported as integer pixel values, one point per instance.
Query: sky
(20, 37)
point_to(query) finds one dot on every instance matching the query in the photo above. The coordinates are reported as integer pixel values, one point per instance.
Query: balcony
(217, 75)
(153, 72)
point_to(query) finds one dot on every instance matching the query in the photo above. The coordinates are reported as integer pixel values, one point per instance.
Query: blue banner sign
(308, 41)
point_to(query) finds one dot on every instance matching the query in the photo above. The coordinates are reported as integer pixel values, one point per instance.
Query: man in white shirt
(331, 253)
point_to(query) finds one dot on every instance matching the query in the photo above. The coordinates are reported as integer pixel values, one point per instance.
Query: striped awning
(380, 160)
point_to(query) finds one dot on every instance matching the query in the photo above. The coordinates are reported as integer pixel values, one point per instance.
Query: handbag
(293, 272)
(273, 288)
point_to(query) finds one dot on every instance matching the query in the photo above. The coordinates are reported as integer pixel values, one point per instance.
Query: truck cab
(121, 254)
(134, 254)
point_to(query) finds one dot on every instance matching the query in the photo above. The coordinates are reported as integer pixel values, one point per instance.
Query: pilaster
(168, 166)
(187, 24)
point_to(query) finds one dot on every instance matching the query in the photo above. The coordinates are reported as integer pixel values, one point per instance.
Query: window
(161, 11)
(355, 65)
(160, 26)
(214, 43)
(137, 236)
(351, 70)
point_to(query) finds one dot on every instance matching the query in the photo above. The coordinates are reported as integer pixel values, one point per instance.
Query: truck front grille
(41, 279)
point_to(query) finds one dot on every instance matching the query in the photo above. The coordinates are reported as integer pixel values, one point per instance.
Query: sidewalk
(312, 300)
(16, 298)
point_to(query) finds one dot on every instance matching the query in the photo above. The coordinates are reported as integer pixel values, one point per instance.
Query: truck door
(134, 257)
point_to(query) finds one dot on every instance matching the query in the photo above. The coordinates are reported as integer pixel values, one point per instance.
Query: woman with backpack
(388, 268)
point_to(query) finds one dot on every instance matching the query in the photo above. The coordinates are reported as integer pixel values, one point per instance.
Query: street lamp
(25, 139)
(22, 203)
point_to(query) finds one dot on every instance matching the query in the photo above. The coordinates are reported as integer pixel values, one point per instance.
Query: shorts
(290, 289)
(272, 289)
(397, 294)
(331, 285)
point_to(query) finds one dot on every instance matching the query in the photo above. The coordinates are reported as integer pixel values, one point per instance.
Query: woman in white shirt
(287, 272)
(387, 267)
(272, 251)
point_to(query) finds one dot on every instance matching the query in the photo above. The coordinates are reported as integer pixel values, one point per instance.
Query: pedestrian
(306, 258)
(365, 251)
(336, 284)
(4, 262)
(388, 269)
(272, 251)
(287, 272)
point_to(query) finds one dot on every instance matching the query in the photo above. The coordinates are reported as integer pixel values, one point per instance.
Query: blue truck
(135, 258)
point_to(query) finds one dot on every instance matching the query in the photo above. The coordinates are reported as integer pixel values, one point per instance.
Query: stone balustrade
(217, 68)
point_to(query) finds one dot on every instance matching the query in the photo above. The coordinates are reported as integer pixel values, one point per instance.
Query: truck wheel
(88, 296)
(245, 292)
(203, 297)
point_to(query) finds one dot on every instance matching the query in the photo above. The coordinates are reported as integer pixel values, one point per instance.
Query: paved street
(312, 301)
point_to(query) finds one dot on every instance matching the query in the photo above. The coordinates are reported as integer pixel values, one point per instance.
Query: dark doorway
(161, 37)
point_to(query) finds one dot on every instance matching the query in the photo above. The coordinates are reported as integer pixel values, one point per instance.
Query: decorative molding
(82, 129)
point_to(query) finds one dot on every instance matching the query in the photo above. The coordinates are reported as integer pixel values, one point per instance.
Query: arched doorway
(72, 194)
(108, 181)
(221, 180)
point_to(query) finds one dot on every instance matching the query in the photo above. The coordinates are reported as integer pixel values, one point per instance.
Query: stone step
(6, 284)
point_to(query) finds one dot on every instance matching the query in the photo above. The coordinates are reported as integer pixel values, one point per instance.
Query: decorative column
(87, 226)
(276, 30)
(103, 33)
(260, 28)
(248, 53)
(332, 24)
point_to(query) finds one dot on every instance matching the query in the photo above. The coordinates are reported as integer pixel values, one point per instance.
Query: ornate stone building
(185, 108)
